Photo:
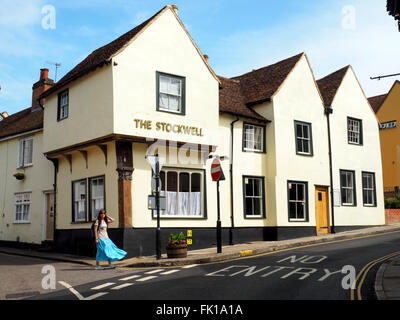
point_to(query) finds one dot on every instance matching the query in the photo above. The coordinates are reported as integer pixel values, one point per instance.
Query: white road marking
(147, 278)
(154, 271)
(96, 295)
(169, 272)
(78, 295)
(122, 286)
(190, 266)
(103, 285)
(130, 278)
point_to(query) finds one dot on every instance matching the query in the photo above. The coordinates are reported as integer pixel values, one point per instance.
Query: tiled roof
(239, 93)
(231, 100)
(261, 84)
(20, 122)
(377, 101)
(329, 85)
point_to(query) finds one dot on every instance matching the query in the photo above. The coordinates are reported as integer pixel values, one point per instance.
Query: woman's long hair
(105, 217)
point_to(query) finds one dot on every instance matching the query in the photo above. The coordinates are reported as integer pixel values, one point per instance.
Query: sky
(238, 36)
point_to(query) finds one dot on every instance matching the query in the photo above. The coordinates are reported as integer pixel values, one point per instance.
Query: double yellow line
(363, 274)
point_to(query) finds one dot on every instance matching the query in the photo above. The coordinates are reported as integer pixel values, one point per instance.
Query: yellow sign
(189, 233)
(189, 241)
(168, 127)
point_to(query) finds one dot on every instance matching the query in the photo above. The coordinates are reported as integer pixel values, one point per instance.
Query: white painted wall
(350, 101)
(38, 178)
(163, 46)
(90, 113)
(298, 99)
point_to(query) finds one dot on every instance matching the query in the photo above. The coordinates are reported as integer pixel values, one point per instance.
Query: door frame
(44, 217)
(325, 188)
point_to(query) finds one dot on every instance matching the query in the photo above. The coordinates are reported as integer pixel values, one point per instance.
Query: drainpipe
(231, 184)
(328, 111)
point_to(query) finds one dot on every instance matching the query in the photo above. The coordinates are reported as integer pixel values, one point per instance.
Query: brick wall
(392, 216)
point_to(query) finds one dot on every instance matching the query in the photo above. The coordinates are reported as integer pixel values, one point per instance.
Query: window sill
(21, 222)
(80, 222)
(254, 217)
(355, 144)
(179, 113)
(25, 166)
(179, 217)
(294, 220)
(305, 154)
(253, 151)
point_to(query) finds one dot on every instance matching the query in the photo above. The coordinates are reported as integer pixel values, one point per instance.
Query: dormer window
(170, 93)
(63, 105)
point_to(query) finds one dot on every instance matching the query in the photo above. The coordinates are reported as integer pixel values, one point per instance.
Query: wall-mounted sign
(336, 197)
(168, 127)
(388, 125)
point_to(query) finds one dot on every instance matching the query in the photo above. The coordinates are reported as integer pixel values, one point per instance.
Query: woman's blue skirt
(107, 250)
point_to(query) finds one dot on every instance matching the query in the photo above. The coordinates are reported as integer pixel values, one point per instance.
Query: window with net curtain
(79, 200)
(253, 137)
(171, 91)
(183, 192)
(22, 207)
(97, 192)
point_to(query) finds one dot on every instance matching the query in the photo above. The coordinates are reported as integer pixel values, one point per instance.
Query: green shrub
(392, 203)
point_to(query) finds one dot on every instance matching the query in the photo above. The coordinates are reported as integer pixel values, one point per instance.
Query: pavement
(387, 282)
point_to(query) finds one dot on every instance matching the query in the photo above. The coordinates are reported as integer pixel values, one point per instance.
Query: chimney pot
(44, 73)
(206, 57)
(175, 7)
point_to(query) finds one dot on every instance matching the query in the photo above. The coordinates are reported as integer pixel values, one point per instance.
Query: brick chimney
(41, 86)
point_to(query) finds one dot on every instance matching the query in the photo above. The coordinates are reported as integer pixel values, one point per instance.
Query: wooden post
(125, 169)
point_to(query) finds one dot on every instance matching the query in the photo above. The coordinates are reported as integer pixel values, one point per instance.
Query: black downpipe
(231, 185)
(328, 111)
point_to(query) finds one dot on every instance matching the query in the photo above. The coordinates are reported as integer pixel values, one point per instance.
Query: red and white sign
(216, 170)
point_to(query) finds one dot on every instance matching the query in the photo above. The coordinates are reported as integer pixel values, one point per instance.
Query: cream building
(126, 100)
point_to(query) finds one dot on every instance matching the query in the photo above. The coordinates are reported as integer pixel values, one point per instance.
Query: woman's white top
(102, 232)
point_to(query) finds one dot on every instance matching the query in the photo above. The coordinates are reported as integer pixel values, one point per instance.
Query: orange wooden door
(322, 210)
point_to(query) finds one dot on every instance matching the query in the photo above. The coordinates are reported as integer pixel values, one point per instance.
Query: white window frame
(303, 139)
(354, 136)
(163, 193)
(63, 107)
(369, 188)
(92, 198)
(260, 198)
(85, 201)
(352, 187)
(170, 94)
(22, 203)
(21, 152)
(249, 130)
(303, 202)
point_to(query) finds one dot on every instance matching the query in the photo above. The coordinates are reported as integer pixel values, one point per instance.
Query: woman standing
(106, 249)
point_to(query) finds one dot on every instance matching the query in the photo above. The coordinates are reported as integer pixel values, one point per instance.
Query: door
(50, 216)
(322, 210)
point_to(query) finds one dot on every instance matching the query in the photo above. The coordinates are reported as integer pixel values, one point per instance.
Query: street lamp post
(158, 230)
(156, 166)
